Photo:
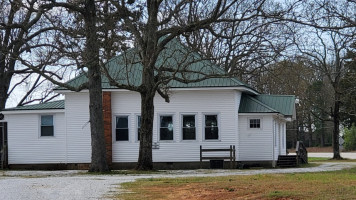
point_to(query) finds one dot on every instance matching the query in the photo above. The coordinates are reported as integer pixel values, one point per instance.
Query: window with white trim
(138, 127)
(47, 126)
(211, 127)
(166, 127)
(122, 128)
(188, 127)
(255, 123)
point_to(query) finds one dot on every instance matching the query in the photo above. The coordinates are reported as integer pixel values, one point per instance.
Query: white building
(214, 113)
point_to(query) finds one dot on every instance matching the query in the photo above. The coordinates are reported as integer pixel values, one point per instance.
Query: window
(166, 128)
(188, 127)
(211, 127)
(47, 128)
(138, 127)
(122, 128)
(255, 123)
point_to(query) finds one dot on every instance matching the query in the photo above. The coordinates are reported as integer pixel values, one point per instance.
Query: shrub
(350, 138)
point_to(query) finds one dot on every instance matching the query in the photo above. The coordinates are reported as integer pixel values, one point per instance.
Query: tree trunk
(147, 89)
(98, 156)
(147, 114)
(91, 60)
(3, 95)
(310, 131)
(323, 133)
(147, 93)
(5, 79)
(324, 129)
(336, 131)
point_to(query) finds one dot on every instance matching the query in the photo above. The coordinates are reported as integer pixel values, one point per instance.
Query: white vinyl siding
(71, 142)
(78, 128)
(26, 146)
(182, 102)
(255, 144)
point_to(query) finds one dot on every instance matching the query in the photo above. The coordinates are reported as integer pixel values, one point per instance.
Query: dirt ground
(315, 150)
(320, 149)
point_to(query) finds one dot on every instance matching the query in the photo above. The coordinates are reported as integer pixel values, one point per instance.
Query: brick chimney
(107, 126)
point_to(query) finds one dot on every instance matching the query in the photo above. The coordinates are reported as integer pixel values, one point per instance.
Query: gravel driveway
(78, 185)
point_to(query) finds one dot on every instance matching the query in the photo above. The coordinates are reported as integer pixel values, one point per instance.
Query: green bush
(350, 138)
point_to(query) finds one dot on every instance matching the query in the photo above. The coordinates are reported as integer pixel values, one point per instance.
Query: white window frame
(252, 118)
(181, 127)
(219, 126)
(136, 127)
(128, 127)
(159, 126)
(40, 125)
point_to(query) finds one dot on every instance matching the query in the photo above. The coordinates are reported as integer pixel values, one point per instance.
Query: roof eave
(258, 113)
(33, 111)
(239, 88)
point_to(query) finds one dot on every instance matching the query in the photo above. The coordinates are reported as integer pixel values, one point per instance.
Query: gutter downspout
(66, 134)
(273, 132)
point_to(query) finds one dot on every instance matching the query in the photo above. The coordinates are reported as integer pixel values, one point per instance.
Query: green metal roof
(127, 69)
(42, 106)
(249, 104)
(284, 104)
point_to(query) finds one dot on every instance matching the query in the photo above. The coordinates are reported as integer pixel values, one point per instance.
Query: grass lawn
(321, 185)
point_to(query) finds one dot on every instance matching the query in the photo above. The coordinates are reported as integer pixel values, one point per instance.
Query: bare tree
(348, 86)
(245, 47)
(154, 25)
(327, 49)
(83, 33)
(23, 29)
(84, 38)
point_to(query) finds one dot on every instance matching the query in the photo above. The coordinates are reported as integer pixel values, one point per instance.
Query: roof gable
(284, 104)
(249, 104)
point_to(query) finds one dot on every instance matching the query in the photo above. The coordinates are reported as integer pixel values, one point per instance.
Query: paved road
(33, 185)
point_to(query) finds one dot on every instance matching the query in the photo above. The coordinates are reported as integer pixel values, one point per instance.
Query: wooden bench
(231, 157)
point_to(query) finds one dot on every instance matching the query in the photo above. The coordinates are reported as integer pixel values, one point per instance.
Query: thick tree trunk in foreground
(336, 130)
(147, 89)
(91, 59)
(3, 93)
(147, 114)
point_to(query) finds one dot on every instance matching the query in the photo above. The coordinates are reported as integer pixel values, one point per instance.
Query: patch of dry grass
(323, 185)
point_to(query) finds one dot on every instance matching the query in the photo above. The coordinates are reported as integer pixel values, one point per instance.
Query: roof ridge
(282, 95)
